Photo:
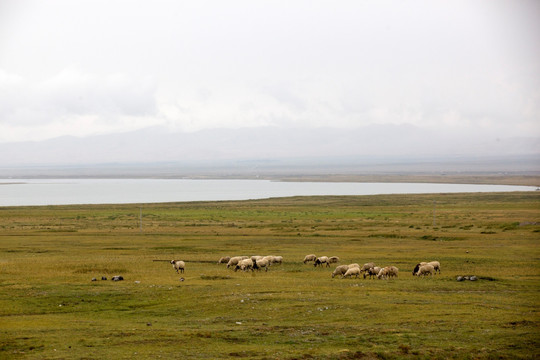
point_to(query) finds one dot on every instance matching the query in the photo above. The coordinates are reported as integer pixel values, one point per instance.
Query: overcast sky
(71, 67)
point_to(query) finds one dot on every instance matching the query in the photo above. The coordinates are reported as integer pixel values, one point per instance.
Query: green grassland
(50, 308)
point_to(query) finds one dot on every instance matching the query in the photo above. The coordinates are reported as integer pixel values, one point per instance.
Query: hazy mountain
(160, 145)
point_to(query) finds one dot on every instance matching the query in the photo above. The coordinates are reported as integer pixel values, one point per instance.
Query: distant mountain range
(264, 145)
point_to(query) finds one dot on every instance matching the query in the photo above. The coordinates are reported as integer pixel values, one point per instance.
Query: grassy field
(50, 308)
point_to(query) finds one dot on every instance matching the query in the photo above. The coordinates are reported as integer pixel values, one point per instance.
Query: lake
(22, 192)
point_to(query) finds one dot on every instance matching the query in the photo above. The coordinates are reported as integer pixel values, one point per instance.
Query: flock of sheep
(246, 263)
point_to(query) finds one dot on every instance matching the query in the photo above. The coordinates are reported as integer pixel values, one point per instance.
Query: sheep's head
(173, 261)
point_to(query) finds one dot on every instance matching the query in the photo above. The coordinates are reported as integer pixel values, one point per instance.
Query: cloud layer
(114, 66)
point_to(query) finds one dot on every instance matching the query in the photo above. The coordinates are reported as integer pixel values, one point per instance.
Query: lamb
(310, 257)
(244, 265)
(224, 260)
(333, 260)
(178, 265)
(322, 260)
(340, 270)
(425, 270)
(374, 271)
(352, 271)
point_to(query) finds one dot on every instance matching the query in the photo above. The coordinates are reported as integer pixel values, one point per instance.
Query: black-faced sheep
(340, 270)
(178, 265)
(436, 266)
(322, 260)
(425, 270)
(352, 271)
(310, 257)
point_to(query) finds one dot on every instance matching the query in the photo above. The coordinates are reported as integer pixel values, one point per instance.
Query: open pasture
(50, 308)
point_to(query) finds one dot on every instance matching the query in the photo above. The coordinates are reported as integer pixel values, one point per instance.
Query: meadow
(50, 308)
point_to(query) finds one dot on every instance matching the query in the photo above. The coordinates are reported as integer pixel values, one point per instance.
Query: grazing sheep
(322, 260)
(244, 265)
(425, 270)
(261, 263)
(415, 270)
(333, 259)
(310, 257)
(367, 266)
(352, 271)
(382, 273)
(340, 270)
(224, 260)
(178, 265)
(256, 257)
(436, 266)
(235, 260)
(374, 271)
(278, 260)
(392, 271)
(354, 265)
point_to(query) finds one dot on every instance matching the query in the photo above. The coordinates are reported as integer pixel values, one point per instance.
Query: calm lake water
(15, 192)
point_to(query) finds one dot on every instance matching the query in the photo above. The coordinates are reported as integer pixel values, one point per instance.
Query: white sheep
(436, 266)
(178, 265)
(261, 263)
(425, 270)
(322, 260)
(310, 257)
(352, 271)
(367, 266)
(333, 259)
(224, 260)
(278, 259)
(235, 260)
(244, 265)
(256, 257)
(354, 265)
(340, 270)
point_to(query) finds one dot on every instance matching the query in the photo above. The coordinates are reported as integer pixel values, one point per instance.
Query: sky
(81, 68)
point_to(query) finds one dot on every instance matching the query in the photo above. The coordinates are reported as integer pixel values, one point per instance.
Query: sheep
(367, 266)
(278, 259)
(261, 263)
(224, 260)
(374, 271)
(235, 260)
(333, 260)
(382, 273)
(340, 270)
(178, 265)
(255, 258)
(436, 266)
(425, 270)
(270, 259)
(322, 260)
(352, 271)
(310, 257)
(244, 265)
(392, 271)
(354, 265)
